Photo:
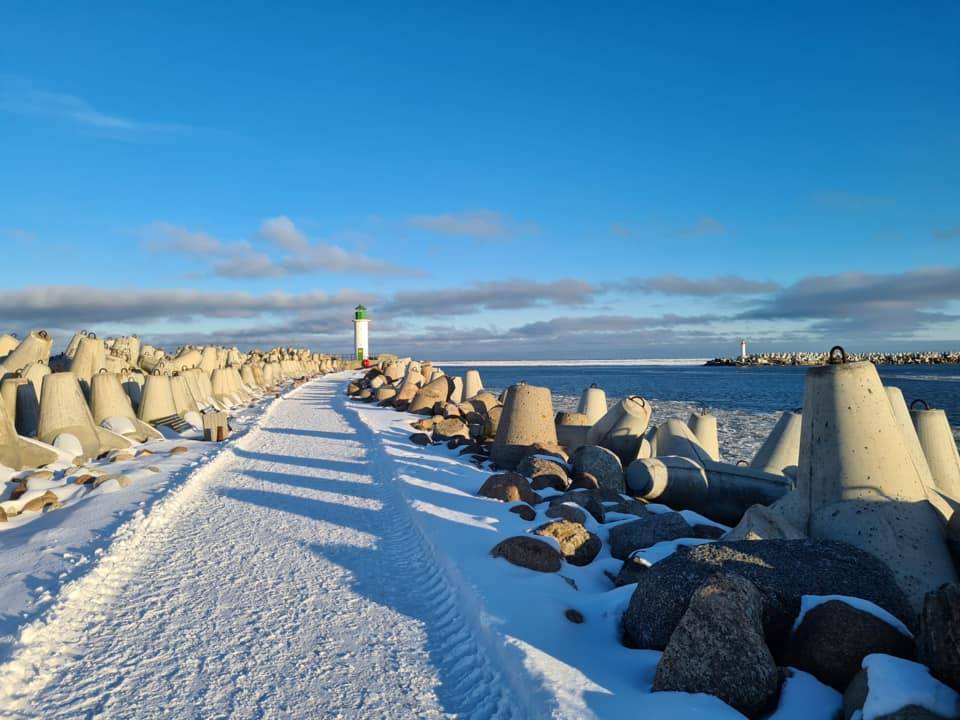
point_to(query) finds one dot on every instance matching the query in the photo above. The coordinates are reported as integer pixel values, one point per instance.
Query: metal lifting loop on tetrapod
(832, 355)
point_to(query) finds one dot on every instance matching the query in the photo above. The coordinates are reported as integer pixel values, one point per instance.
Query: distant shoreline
(811, 359)
(685, 362)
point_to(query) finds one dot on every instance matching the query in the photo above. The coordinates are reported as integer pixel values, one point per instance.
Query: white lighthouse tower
(361, 333)
(743, 349)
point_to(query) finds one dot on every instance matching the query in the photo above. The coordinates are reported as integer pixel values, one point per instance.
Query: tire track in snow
(336, 609)
(471, 686)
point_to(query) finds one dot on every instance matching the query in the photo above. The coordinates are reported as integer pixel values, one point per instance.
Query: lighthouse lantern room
(361, 335)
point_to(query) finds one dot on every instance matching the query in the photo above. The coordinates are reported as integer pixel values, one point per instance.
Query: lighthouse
(361, 334)
(743, 349)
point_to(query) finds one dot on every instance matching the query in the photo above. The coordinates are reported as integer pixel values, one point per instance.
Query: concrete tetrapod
(111, 408)
(621, 428)
(780, 452)
(719, 491)
(8, 343)
(184, 402)
(593, 403)
(74, 343)
(222, 390)
(66, 420)
(912, 443)
(18, 453)
(208, 360)
(939, 448)
(861, 484)
(157, 401)
(436, 391)
(185, 360)
(22, 405)
(471, 384)
(573, 429)
(456, 395)
(27, 418)
(704, 426)
(89, 359)
(35, 372)
(527, 418)
(8, 394)
(35, 347)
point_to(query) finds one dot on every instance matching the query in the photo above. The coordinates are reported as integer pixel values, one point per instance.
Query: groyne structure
(811, 359)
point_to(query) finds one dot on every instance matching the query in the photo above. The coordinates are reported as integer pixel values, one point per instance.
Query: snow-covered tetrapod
(859, 481)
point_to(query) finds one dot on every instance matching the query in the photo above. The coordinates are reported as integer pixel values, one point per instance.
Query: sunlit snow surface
(322, 566)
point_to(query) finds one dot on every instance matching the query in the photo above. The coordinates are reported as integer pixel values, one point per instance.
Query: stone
(602, 464)
(435, 391)
(524, 511)
(424, 425)
(578, 545)
(585, 481)
(529, 552)
(567, 511)
(834, 637)
(574, 616)
(491, 422)
(718, 648)
(450, 428)
(783, 571)
(708, 532)
(509, 487)
(421, 439)
(544, 473)
(179, 450)
(939, 637)
(646, 532)
(589, 500)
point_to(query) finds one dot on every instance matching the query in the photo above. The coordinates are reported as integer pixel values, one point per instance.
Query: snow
(809, 602)
(895, 683)
(803, 697)
(318, 565)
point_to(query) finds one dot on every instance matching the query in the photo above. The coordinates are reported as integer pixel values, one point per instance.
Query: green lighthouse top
(361, 313)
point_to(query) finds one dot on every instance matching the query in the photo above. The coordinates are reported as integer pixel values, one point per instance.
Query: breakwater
(809, 359)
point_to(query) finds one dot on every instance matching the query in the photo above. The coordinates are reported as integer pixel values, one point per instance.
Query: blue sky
(555, 180)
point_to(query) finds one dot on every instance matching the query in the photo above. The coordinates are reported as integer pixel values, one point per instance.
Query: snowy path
(284, 579)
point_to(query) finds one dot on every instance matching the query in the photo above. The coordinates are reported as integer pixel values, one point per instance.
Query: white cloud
(482, 224)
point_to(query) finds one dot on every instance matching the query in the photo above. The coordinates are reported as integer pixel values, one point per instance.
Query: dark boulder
(647, 531)
(939, 635)
(834, 637)
(718, 648)
(782, 570)
(529, 552)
